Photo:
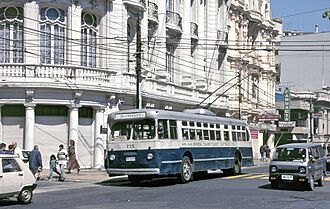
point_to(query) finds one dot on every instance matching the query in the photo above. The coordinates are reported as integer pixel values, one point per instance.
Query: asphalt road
(248, 191)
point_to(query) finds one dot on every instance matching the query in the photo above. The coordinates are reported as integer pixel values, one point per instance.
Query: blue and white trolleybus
(145, 143)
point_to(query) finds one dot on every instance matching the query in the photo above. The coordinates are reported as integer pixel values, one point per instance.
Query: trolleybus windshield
(135, 130)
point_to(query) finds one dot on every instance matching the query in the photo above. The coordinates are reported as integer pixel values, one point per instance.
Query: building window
(52, 40)
(11, 35)
(170, 61)
(88, 39)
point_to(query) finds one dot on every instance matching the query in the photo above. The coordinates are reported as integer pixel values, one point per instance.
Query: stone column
(74, 122)
(74, 25)
(31, 26)
(99, 144)
(29, 126)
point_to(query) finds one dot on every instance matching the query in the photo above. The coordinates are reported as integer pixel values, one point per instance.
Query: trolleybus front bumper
(133, 171)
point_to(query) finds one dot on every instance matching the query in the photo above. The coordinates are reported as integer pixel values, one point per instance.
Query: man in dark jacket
(35, 161)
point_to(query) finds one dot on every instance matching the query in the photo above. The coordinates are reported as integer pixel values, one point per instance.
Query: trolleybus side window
(199, 134)
(192, 134)
(233, 133)
(162, 129)
(173, 130)
(206, 134)
(226, 133)
(218, 135)
(212, 134)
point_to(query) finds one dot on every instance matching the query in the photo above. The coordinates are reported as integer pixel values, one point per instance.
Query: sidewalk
(85, 175)
(260, 163)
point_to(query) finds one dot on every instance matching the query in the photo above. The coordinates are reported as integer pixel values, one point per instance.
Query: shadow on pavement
(288, 187)
(8, 202)
(158, 181)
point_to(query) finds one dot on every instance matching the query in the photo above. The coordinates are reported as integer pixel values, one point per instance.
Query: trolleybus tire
(186, 173)
(235, 170)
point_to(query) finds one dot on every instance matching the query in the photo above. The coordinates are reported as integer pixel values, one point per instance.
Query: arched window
(88, 39)
(11, 35)
(52, 39)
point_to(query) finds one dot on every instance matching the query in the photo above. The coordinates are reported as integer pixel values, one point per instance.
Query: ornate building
(65, 65)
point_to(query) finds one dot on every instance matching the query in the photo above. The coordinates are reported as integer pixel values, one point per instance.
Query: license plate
(287, 177)
(130, 159)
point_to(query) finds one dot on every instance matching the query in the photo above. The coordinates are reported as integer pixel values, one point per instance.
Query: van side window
(315, 154)
(321, 152)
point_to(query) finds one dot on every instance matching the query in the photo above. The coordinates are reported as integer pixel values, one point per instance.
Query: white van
(16, 179)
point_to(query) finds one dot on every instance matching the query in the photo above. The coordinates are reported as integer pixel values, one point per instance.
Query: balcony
(222, 38)
(137, 4)
(153, 12)
(194, 31)
(174, 22)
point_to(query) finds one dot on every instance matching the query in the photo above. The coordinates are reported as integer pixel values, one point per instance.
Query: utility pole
(138, 62)
(239, 91)
(311, 125)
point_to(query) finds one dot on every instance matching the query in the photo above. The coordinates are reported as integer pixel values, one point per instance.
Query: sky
(301, 15)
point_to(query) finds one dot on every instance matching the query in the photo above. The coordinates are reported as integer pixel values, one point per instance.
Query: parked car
(298, 163)
(16, 179)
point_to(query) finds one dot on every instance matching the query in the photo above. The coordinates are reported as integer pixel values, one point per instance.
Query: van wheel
(186, 173)
(25, 196)
(310, 185)
(321, 181)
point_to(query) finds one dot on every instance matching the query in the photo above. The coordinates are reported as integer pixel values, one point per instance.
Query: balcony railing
(194, 30)
(174, 19)
(153, 11)
(222, 37)
(140, 4)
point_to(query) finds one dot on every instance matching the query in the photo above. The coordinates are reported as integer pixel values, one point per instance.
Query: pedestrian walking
(35, 162)
(53, 167)
(62, 155)
(17, 150)
(267, 151)
(73, 163)
(262, 153)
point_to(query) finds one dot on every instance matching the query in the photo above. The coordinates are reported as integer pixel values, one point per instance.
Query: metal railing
(174, 19)
(153, 10)
(193, 29)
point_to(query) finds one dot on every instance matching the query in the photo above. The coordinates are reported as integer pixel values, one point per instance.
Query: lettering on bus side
(130, 146)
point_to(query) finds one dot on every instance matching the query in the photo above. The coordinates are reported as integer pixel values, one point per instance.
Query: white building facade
(65, 65)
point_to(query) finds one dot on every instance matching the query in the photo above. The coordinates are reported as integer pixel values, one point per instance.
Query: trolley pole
(239, 92)
(138, 62)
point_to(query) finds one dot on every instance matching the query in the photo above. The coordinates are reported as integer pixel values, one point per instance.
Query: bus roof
(174, 115)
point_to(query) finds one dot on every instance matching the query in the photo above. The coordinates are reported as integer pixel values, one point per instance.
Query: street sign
(287, 103)
(286, 124)
(268, 117)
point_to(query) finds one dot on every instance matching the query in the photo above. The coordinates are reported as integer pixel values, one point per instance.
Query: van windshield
(289, 154)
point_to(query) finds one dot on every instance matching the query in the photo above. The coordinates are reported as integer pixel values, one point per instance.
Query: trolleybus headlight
(273, 169)
(302, 170)
(150, 156)
(112, 157)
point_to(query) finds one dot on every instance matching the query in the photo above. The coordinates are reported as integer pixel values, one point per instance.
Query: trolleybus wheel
(186, 173)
